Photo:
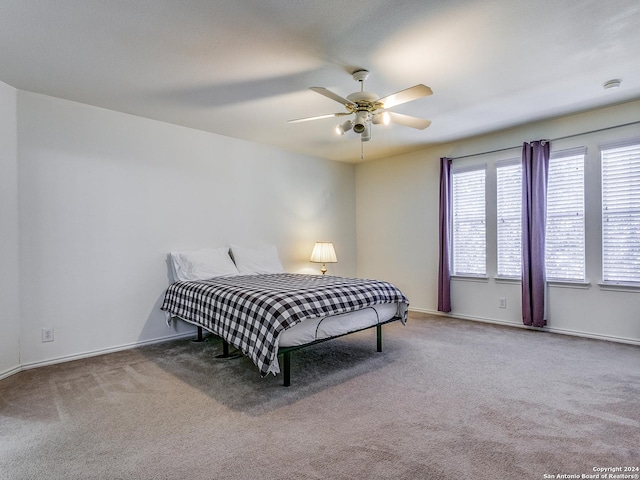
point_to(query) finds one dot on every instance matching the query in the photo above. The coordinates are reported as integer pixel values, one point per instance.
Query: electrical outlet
(47, 335)
(502, 302)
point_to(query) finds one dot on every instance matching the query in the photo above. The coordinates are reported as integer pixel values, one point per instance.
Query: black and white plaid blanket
(250, 312)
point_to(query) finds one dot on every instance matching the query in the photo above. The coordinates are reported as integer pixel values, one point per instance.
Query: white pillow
(257, 260)
(203, 264)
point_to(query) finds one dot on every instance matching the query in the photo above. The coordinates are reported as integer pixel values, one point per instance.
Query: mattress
(314, 329)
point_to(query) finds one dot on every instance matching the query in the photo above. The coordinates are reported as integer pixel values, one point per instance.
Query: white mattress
(320, 328)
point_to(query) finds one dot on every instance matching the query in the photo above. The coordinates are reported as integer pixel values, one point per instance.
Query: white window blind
(509, 216)
(621, 213)
(468, 222)
(565, 236)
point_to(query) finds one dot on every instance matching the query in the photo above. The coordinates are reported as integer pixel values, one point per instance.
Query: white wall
(104, 196)
(9, 273)
(92, 201)
(397, 229)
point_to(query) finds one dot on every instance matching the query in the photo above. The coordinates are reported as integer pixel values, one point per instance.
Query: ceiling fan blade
(409, 121)
(331, 95)
(318, 117)
(406, 95)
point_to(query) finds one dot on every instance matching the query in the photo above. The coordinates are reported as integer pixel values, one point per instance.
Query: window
(621, 213)
(509, 216)
(565, 244)
(469, 225)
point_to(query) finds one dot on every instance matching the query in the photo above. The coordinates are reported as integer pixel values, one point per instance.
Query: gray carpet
(447, 399)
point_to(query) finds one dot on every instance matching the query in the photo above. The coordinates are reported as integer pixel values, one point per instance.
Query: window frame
(455, 249)
(559, 156)
(624, 283)
(580, 262)
(504, 164)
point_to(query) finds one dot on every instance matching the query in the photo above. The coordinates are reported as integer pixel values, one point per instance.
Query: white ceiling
(242, 68)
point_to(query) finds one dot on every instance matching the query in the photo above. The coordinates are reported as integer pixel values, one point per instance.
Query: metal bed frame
(286, 351)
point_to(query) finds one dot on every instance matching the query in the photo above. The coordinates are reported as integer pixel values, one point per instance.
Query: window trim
(456, 170)
(509, 162)
(613, 285)
(557, 155)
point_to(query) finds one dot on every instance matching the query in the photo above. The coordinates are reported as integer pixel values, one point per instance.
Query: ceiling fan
(367, 108)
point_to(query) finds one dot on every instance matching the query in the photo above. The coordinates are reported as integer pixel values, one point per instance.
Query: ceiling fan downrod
(360, 76)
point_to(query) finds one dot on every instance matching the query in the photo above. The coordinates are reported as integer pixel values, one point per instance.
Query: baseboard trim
(561, 331)
(104, 351)
(11, 371)
(92, 353)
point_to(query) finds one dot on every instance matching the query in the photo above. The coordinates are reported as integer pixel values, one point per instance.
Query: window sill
(568, 284)
(470, 278)
(510, 280)
(620, 287)
(550, 283)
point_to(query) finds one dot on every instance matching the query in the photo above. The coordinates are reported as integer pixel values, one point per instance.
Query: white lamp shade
(323, 252)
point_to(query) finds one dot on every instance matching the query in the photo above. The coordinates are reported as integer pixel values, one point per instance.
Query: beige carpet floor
(447, 399)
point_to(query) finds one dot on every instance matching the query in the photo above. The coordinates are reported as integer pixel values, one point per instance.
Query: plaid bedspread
(251, 311)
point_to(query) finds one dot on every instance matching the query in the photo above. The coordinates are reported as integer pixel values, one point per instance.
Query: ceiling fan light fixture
(362, 120)
(344, 127)
(366, 134)
(382, 117)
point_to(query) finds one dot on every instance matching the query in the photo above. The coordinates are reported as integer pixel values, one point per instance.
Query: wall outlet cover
(47, 335)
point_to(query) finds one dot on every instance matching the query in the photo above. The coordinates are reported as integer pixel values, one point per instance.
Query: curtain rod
(552, 140)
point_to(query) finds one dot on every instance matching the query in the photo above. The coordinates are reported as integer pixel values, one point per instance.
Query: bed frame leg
(286, 368)
(225, 351)
(199, 338)
(379, 335)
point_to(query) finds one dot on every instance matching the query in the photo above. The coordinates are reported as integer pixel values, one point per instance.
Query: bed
(264, 312)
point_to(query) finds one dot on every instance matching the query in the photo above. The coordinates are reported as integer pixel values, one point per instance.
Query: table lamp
(323, 252)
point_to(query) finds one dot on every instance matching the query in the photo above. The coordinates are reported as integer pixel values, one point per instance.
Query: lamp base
(323, 269)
